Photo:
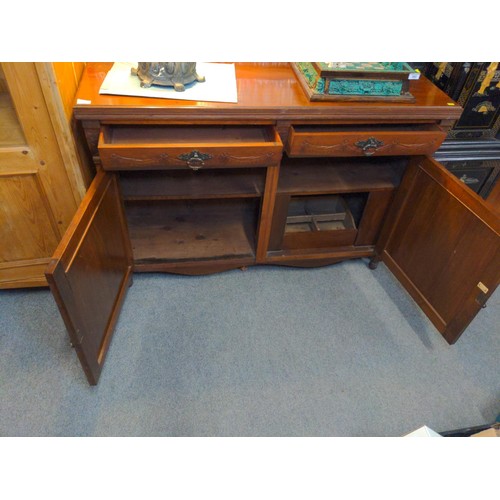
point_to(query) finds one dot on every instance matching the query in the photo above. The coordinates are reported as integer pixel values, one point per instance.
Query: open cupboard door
(442, 243)
(90, 272)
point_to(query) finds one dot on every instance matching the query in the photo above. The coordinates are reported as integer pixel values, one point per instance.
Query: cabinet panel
(11, 132)
(91, 271)
(26, 221)
(480, 98)
(443, 243)
(39, 189)
(376, 207)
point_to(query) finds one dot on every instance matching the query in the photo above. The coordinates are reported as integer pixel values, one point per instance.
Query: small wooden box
(360, 81)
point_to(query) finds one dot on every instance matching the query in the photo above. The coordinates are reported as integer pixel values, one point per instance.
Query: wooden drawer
(364, 140)
(133, 147)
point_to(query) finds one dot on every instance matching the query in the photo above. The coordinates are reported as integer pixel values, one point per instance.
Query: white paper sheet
(219, 84)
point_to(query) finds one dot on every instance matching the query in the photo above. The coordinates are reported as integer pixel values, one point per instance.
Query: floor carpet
(270, 351)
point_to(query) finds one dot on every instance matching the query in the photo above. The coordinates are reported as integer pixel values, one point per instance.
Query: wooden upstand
(198, 187)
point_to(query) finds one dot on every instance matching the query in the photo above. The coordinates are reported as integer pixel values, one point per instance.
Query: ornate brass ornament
(195, 160)
(369, 146)
(167, 74)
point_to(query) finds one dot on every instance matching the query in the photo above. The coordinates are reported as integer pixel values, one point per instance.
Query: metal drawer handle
(369, 146)
(195, 160)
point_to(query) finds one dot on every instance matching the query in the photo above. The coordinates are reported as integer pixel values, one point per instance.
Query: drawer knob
(369, 146)
(195, 160)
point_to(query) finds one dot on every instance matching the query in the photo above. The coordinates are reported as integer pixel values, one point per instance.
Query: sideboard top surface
(266, 91)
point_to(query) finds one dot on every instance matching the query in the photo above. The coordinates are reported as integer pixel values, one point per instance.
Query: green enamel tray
(361, 81)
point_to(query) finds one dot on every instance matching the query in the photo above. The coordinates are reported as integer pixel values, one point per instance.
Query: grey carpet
(334, 351)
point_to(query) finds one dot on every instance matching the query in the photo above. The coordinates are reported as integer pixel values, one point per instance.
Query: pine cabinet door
(39, 189)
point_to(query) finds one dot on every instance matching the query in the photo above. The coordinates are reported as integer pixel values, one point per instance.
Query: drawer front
(200, 147)
(321, 239)
(364, 141)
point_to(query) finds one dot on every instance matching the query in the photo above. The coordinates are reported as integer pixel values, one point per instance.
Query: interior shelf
(303, 176)
(204, 184)
(181, 231)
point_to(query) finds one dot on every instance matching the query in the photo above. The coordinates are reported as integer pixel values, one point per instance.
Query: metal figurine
(167, 74)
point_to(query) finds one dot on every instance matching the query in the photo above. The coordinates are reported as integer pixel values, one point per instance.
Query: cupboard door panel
(442, 242)
(90, 272)
(40, 187)
(26, 221)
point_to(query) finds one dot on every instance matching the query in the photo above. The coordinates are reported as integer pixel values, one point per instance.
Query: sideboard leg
(374, 261)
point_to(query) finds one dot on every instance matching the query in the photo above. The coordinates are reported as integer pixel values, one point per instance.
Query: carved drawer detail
(364, 140)
(194, 147)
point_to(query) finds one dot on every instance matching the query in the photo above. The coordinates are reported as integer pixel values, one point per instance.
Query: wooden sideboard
(201, 187)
